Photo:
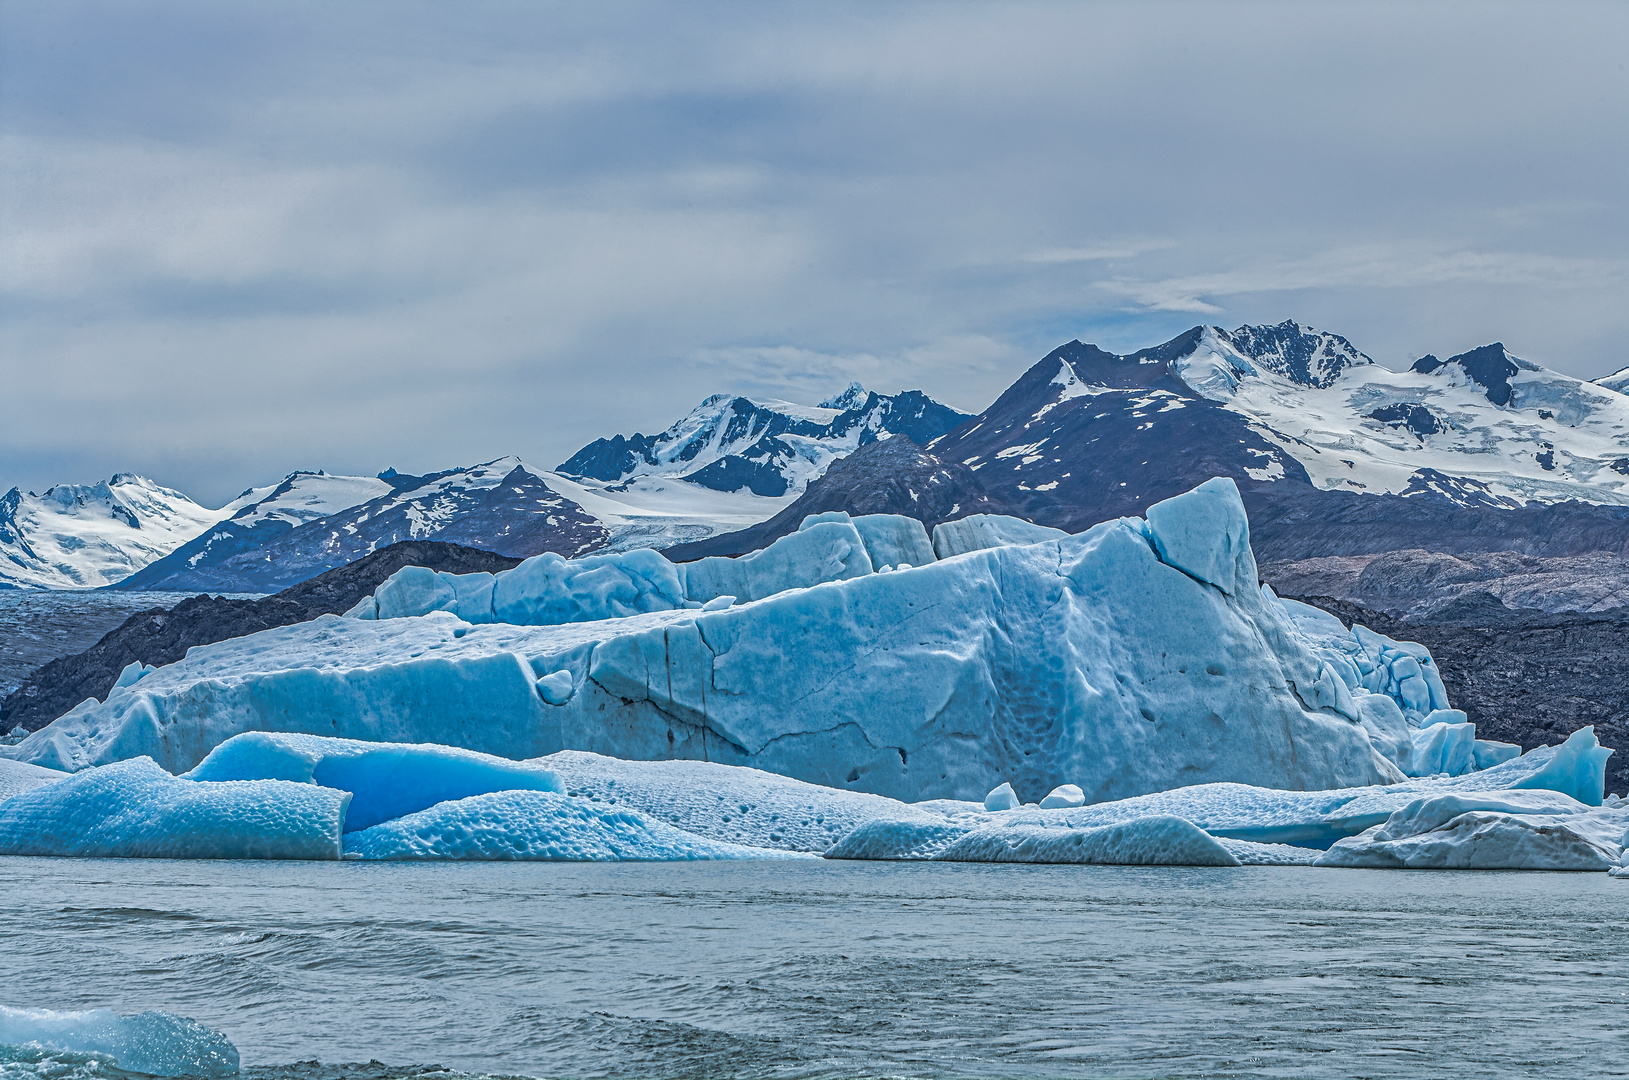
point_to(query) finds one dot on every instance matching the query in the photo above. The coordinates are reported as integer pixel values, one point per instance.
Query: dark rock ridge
(751, 444)
(894, 476)
(499, 506)
(163, 635)
(1524, 677)
(1489, 367)
(1299, 353)
(1418, 582)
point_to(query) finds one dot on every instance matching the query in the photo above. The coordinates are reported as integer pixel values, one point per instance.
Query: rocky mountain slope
(163, 635)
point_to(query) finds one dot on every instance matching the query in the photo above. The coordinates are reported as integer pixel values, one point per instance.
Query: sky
(242, 239)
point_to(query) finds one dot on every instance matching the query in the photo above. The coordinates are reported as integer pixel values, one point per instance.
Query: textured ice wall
(1130, 658)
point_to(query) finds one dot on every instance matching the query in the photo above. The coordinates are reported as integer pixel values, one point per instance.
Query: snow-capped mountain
(1618, 380)
(1086, 434)
(79, 536)
(768, 448)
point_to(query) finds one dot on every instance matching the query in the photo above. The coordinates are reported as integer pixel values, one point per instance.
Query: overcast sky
(240, 239)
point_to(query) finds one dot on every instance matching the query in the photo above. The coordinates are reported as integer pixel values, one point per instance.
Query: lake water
(39, 625)
(790, 970)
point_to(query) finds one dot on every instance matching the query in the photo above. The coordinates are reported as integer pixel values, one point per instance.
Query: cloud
(235, 242)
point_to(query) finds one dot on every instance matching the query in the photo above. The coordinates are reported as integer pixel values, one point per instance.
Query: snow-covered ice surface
(729, 803)
(134, 809)
(81, 536)
(151, 1043)
(1155, 840)
(1133, 657)
(17, 777)
(538, 826)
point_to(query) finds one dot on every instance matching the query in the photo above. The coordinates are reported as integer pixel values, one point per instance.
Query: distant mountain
(79, 536)
(770, 448)
(1086, 434)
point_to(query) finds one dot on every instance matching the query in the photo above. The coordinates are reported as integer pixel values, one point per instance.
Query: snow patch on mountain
(81, 536)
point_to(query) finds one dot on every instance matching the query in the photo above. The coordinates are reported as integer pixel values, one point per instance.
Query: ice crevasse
(1137, 656)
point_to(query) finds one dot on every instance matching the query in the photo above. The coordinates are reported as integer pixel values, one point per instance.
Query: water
(39, 625)
(839, 970)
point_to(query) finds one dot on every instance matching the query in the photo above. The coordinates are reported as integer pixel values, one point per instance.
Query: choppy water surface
(839, 969)
(39, 625)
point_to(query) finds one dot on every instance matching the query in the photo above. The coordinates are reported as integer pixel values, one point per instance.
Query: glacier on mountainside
(149, 1043)
(1137, 656)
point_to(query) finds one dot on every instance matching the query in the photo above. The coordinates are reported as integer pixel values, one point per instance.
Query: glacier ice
(18, 776)
(134, 809)
(150, 1043)
(892, 840)
(385, 780)
(1156, 840)
(728, 803)
(1466, 832)
(819, 552)
(1444, 748)
(978, 532)
(539, 826)
(1085, 660)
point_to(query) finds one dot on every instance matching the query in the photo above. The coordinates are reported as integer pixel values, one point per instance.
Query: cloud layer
(237, 240)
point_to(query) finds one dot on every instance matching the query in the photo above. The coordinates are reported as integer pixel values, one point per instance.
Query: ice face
(978, 532)
(821, 551)
(538, 826)
(1086, 660)
(153, 1043)
(386, 780)
(134, 809)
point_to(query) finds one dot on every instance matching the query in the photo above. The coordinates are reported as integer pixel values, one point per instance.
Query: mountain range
(1337, 456)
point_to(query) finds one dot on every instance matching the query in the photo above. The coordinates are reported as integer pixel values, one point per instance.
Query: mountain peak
(851, 398)
(1489, 367)
(1302, 354)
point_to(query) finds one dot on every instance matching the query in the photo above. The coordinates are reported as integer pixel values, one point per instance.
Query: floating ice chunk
(134, 809)
(556, 688)
(1158, 840)
(1622, 871)
(820, 552)
(538, 826)
(1488, 753)
(548, 590)
(1444, 749)
(898, 841)
(152, 1043)
(1431, 835)
(730, 803)
(978, 532)
(19, 776)
(1203, 532)
(1002, 798)
(386, 780)
(718, 603)
(1063, 797)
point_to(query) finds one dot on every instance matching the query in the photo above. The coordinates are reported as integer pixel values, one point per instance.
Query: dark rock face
(1086, 435)
(518, 516)
(1489, 367)
(891, 477)
(1422, 420)
(1524, 677)
(163, 636)
(1299, 353)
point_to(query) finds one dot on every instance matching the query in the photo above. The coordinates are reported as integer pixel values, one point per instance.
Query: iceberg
(385, 780)
(134, 809)
(1468, 832)
(979, 532)
(1156, 840)
(538, 826)
(151, 1043)
(1088, 660)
